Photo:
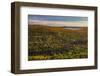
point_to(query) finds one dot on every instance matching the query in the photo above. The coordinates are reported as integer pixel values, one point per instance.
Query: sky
(57, 20)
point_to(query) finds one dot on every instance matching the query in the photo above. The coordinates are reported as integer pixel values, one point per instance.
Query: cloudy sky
(58, 20)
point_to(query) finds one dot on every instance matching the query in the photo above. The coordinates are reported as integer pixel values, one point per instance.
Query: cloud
(59, 23)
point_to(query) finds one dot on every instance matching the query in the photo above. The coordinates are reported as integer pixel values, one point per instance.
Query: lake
(72, 28)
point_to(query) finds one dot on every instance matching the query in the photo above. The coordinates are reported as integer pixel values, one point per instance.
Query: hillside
(46, 42)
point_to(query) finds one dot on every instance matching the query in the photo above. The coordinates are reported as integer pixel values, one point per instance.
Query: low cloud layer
(59, 23)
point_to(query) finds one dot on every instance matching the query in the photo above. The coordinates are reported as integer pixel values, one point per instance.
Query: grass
(46, 43)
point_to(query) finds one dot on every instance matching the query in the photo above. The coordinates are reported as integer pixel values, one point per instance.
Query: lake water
(70, 28)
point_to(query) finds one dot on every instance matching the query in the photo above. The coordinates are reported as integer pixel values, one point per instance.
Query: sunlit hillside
(47, 42)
